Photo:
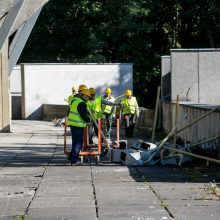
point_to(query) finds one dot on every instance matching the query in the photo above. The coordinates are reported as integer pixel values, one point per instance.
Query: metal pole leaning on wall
(155, 115)
(176, 119)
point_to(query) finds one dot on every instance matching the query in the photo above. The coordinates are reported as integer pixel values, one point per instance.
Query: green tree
(133, 31)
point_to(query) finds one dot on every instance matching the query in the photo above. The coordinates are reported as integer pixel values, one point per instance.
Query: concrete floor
(36, 182)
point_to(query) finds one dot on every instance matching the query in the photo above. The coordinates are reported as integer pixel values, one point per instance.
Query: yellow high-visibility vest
(107, 108)
(70, 98)
(97, 107)
(128, 105)
(74, 117)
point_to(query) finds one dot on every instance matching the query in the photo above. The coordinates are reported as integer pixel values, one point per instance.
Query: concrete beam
(20, 40)
(6, 5)
(20, 16)
(28, 9)
(5, 112)
(9, 22)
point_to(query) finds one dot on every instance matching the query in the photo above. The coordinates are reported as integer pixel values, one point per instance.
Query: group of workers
(85, 107)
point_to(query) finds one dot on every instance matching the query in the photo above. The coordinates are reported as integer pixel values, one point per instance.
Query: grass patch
(213, 187)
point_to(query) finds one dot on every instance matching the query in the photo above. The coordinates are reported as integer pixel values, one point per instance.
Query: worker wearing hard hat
(77, 119)
(130, 112)
(108, 111)
(100, 105)
(82, 87)
(70, 98)
(89, 104)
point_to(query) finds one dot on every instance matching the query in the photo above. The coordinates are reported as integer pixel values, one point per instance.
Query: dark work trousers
(77, 142)
(129, 123)
(95, 128)
(90, 127)
(108, 118)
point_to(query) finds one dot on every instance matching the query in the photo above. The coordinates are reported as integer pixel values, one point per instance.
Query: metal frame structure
(92, 150)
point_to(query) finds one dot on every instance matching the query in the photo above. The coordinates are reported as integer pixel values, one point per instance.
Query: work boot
(75, 163)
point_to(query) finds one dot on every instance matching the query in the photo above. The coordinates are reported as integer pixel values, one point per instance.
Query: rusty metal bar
(118, 131)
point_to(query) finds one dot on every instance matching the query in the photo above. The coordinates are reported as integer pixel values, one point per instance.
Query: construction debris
(58, 122)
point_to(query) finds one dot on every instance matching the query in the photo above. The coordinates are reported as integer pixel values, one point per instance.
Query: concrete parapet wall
(194, 75)
(51, 112)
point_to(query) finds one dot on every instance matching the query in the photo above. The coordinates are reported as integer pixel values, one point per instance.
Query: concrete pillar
(5, 119)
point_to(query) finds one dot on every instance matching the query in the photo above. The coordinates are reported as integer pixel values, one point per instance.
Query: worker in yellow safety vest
(77, 119)
(103, 105)
(90, 104)
(70, 98)
(130, 112)
(108, 111)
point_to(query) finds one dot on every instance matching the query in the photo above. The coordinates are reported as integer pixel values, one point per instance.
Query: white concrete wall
(52, 83)
(15, 81)
(184, 75)
(195, 75)
(209, 77)
(15, 91)
(165, 76)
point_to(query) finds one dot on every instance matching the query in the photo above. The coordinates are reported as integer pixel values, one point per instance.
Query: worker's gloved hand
(119, 105)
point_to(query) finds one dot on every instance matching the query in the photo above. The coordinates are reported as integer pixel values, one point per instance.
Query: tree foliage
(127, 31)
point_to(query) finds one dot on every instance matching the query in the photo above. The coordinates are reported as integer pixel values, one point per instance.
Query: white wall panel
(52, 83)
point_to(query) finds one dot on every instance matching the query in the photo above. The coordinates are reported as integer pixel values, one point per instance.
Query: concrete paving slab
(66, 213)
(75, 201)
(171, 185)
(28, 171)
(10, 212)
(65, 189)
(60, 191)
(151, 210)
(16, 202)
(195, 212)
(184, 194)
(28, 163)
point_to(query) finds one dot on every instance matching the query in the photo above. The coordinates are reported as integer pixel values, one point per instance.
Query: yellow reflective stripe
(77, 121)
(74, 113)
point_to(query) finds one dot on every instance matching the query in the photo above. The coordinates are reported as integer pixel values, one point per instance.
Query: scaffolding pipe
(205, 141)
(191, 154)
(176, 119)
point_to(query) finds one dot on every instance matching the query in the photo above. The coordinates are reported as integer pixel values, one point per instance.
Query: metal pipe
(191, 154)
(205, 141)
(155, 114)
(176, 119)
